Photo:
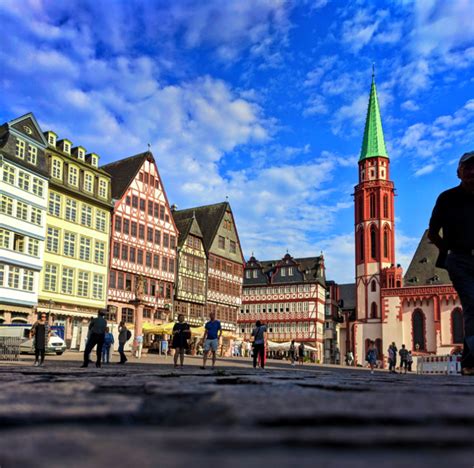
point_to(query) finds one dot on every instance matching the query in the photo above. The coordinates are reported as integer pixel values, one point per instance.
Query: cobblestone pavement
(146, 415)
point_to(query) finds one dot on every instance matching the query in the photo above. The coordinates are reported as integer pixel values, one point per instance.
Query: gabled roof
(373, 144)
(422, 269)
(124, 171)
(28, 126)
(209, 218)
(347, 293)
(185, 227)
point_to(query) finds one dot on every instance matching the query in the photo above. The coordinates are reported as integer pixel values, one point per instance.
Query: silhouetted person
(97, 328)
(181, 335)
(403, 358)
(372, 356)
(108, 342)
(124, 336)
(452, 231)
(40, 331)
(259, 334)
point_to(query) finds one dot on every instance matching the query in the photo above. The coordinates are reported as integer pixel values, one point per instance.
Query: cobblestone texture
(146, 415)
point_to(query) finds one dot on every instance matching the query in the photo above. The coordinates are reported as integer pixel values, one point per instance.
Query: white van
(55, 343)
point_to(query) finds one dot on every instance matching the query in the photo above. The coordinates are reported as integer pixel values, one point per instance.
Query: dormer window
(290, 271)
(67, 147)
(95, 161)
(81, 154)
(103, 188)
(20, 149)
(283, 272)
(51, 138)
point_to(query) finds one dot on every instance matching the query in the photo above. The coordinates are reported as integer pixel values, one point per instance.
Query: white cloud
(410, 105)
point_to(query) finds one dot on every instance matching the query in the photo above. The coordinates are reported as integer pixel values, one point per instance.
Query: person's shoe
(41, 364)
(372, 372)
(203, 367)
(97, 364)
(467, 371)
(84, 366)
(36, 364)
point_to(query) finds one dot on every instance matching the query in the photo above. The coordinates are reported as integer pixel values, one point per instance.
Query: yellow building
(73, 284)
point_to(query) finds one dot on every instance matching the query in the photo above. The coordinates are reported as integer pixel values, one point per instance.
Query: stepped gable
(422, 269)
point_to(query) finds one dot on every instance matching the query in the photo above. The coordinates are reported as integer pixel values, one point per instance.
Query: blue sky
(262, 101)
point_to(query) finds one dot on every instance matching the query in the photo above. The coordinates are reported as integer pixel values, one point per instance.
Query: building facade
(289, 296)
(191, 280)
(420, 309)
(143, 244)
(74, 276)
(23, 192)
(224, 261)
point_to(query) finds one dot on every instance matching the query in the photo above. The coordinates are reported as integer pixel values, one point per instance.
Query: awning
(167, 329)
(67, 313)
(18, 309)
(285, 346)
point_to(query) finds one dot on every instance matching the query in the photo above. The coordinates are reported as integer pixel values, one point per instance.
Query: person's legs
(37, 353)
(181, 356)
(42, 353)
(205, 353)
(461, 272)
(100, 344)
(123, 358)
(175, 357)
(262, 355)
(87, 351)
(255, 356)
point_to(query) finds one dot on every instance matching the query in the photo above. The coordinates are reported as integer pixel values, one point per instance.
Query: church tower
(374, 228)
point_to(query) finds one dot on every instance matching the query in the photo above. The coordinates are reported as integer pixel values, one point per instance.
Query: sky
(260, 101)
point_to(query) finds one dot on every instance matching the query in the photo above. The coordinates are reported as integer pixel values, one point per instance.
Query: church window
(385, 206)
(361, 209)
(457, 326)
(373, 205)
(385, 242)
(361, 244)
(373, 310)
(373, 243)
(418, 330)
(373, 285)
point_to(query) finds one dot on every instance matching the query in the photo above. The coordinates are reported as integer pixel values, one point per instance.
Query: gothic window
(373, 285)
(372, 205)
(378, 347)
(373, 242)
(373, 310)
(385, 242)
(361, 209)
(457, 326)
(385, 206)
(361, 244)
(418, 330)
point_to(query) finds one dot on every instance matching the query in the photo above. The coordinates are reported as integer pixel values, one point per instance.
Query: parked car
(56, 344)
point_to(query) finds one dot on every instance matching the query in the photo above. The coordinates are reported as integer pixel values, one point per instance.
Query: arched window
(418, 330)
(457, 326)
(373, 242)
(373, 285)
(385, 242)
(385, 206)
(361, 208)
(373, 310)
(373, 205)
(361, 244)
(378, 346)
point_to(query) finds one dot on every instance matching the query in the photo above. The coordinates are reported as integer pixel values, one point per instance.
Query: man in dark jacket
(452, 231)
(97, 328)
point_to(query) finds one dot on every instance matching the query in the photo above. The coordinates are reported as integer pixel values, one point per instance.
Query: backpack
(129, 334)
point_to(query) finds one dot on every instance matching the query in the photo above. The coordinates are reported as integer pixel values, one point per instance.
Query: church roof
(373, 144)
(422, 269)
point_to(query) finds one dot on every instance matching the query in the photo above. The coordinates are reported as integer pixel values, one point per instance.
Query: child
(108, 342)
(371, 357)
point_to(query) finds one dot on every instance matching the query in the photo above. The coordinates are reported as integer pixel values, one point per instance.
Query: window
(171, 265)
(149, 234)
(100, 220)
(164, 264)
(9, 174)
(373, 286)
(69, 248)
(127, 314)
(140, 257)
(14, 277)
(83, 284)
(4, 238)
(98, 286)
(373, 310)
(118, 223)
(88, 182)
(73, 176)
(20, 149)
(457, 326)
(283, 272)
(290, 271)
(24, 181)
(2, 274)
(116, 250)
(133, 254)
(141, 231)
(119, 280)
(38, 187)
(134, 201)
(67, 281)
(134, 229)
(54, 206)
(127, 201)
(221, 243)
(157, 237)
(172, 242)
(103, 188)
(128, 282)
(33, 247)
(51, 139)
(22, 211)
(125, 252)
(71, 210)
(112, 279)
(18, 242)
(67, 147)
(32, 154)
(156, 261)
(36, 216)
(166, 240)
(162, 212)
(57, 169)
(372, 205)
(85, 249)
(28, 280)
(232, 246)
(156, 210)
(385, 242)
(50, 277)
(373, 242)
(126, 226)
(385, 206)
(142, 204)
(148, 259)
(99, 252)
(86, 215)
(6, 205)
(150, 208)
(418, 330)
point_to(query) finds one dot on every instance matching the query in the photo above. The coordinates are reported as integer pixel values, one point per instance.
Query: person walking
(259, 334)
(138, 346)
(108, 342)
(97, 327)
(372, 356)
(212, 335)
(392, 358)
(124, 335)
(403, 358)
(409, 361)
(40, 331)
(350, 358)
(181, 335)
(301, 353)
(453, 217)
(293, 353)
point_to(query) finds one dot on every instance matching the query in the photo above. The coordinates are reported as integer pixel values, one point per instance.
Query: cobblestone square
(147, 414)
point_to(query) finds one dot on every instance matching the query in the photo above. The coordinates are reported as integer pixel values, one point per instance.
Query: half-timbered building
(289, 296)
(224, 260)
(143, 244)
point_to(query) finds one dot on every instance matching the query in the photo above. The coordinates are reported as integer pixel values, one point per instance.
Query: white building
(23, 198)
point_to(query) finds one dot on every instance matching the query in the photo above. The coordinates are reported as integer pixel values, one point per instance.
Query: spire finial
(149, 147)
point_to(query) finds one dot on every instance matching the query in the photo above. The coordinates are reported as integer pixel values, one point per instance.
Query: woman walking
(293, 353)
(372, 356)
(301, 353)
(181, 335)
(40, 331)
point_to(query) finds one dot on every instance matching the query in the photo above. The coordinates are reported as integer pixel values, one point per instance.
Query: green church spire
(373, 144)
